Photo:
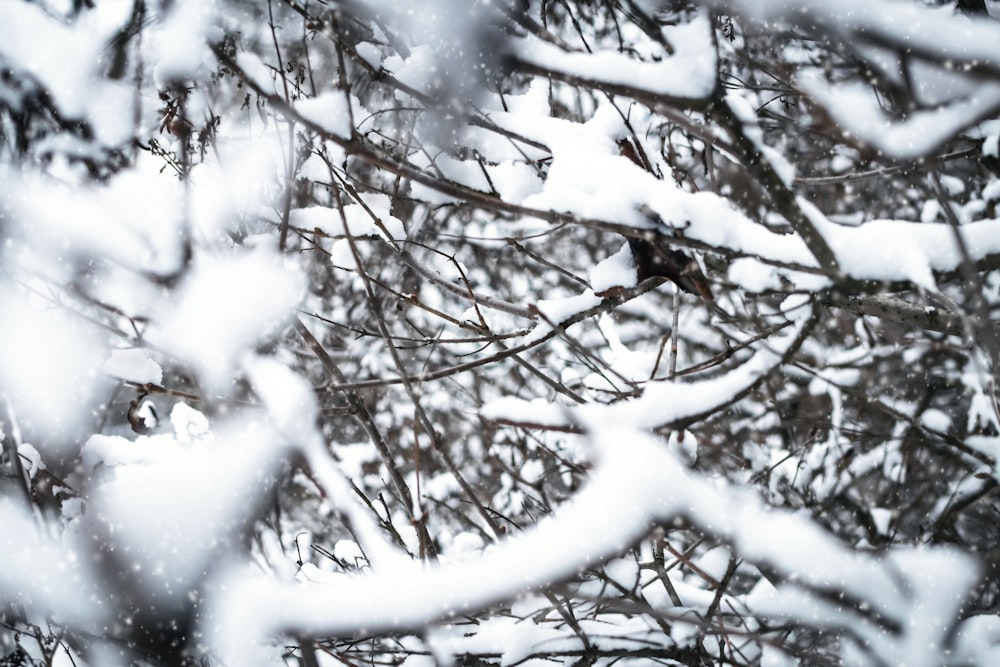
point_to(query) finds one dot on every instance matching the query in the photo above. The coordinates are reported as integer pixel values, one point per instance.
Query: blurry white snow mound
(170, 508)
(191, 428)
(133, 365)
(328, 110)
(237, 183)
(467, 544)
(227, 305)
(41, 575)
(190, 425)
(56, 228)
(78, 91)
(47, 362)
(288, 398)
(191, 23)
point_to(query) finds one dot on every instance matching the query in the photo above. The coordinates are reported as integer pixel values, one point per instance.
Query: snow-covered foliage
(499, 333)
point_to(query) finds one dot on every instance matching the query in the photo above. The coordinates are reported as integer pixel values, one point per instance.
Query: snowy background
(620, 332)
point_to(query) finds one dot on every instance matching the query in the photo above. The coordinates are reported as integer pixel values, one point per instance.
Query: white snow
(183, 506)
(618, 270)
(661, 402)
(190, 426)
(47, 362)
(666, 75)
(32, 459)
(77, 91)
(857, 110)
(44, 575)
(255, 69)
(359, 221)
(941, 30)
(554, 312)
(171, 512)
(190, 23)
(329, 111)
(227, 304)
(634, 481)
(133, 365)
(879, 29)
(289, 399)
(133, 222)
(418, 71)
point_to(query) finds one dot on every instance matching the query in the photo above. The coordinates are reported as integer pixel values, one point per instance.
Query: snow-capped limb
(697, 213)
(857, 110)
(133, 365)
(292, 409)
(685, 77)
(372, 154)
(45, 576)
(904, 251)
(934, 34)
(554, 314)
(899, 253)
(911, 611)
(625, 493)
(636, 481)
(609, 514)
(704, 217)
(744, 131)
(941, 59)
(663, 402)
(884, 250)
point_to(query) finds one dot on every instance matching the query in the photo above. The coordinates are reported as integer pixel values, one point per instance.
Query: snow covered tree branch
(499, 333)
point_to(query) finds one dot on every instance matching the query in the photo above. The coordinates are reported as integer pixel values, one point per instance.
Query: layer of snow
(44, 576)
(618, 270)
(226, 305)
(690, 72)
(47, 362)
(359, 221)
(554, 312)
(169, 517)
(132, 221)
(191, 23)
(636, 480)
(329, 111)
(134, 365)
(71, 72)
(662, 402)
(858, 111)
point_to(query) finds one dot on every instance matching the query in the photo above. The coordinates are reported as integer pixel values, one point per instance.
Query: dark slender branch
(781, 195)
(653, 99)
(889, 170)
(360, 410)
(608, 304)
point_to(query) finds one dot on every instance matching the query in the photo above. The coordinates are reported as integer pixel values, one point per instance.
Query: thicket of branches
(601, 332)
